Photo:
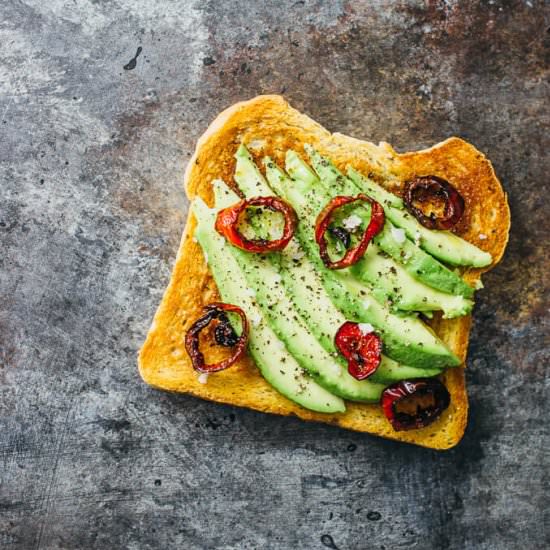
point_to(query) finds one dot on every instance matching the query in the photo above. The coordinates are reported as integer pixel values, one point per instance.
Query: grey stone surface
(91, 210)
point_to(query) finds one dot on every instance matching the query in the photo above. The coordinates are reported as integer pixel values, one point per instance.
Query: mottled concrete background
(92, 153)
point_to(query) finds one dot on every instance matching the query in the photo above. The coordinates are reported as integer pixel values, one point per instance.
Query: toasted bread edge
(270, 126)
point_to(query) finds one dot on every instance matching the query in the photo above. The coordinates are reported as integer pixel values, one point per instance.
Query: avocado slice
(304, 287)
(406, 339)
(413, 259)
(323, 319)
(274, 361)
(389, 279)
(263, 278)
(406, 286)
(444, 245)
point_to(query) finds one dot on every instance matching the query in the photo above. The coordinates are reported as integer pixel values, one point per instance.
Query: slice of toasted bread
(269, 126)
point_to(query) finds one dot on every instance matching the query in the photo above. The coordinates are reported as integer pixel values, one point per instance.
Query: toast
(269, 126)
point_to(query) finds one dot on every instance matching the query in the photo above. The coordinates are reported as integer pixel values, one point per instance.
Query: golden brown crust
(268, 125)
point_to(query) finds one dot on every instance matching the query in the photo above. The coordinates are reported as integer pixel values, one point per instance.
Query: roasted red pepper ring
(420, 387)
(362, 349)
(227, 223)
(421, 188)
(354, 254)
(216, 310)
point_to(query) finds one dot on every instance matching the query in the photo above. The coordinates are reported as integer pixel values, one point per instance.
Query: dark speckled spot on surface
(92, 207)
(133, 62)
(328, 542)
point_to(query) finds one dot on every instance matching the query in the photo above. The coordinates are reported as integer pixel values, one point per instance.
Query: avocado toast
(292, 367)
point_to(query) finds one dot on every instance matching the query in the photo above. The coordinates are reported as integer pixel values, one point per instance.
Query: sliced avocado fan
(406, 338)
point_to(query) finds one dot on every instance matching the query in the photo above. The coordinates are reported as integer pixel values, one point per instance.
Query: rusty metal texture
(100, 106)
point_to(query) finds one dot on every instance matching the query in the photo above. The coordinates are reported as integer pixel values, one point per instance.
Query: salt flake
(398, 234)
(365, 328)
(352, 222)
(298, 254)
(280, 345)
(255, 318)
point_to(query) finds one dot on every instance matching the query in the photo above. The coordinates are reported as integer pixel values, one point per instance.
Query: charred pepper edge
(213, 311)
(436, 186)
(228, 218)
(403, 389)
(352, 255)
(363, 352)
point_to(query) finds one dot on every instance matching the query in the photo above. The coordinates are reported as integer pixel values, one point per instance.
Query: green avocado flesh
(406, 339)
(444, 245)
(409, 258)
(264, 280)
(292, 298)
(274, 361)
(295, 305)
(390, 280)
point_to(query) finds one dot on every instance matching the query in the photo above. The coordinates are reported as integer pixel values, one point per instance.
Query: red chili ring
(454, 203)
(214, 311)
(228, 219)
(354, 254)
(363, 352)
(399, 391)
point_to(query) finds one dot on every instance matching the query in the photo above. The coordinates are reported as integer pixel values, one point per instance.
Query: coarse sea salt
(298, 254)
(256, 144)
(398, 234)
(482, 236)
(203, 378)
(365, 328)
(280, 345)
(255, 318)
(352, 222)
